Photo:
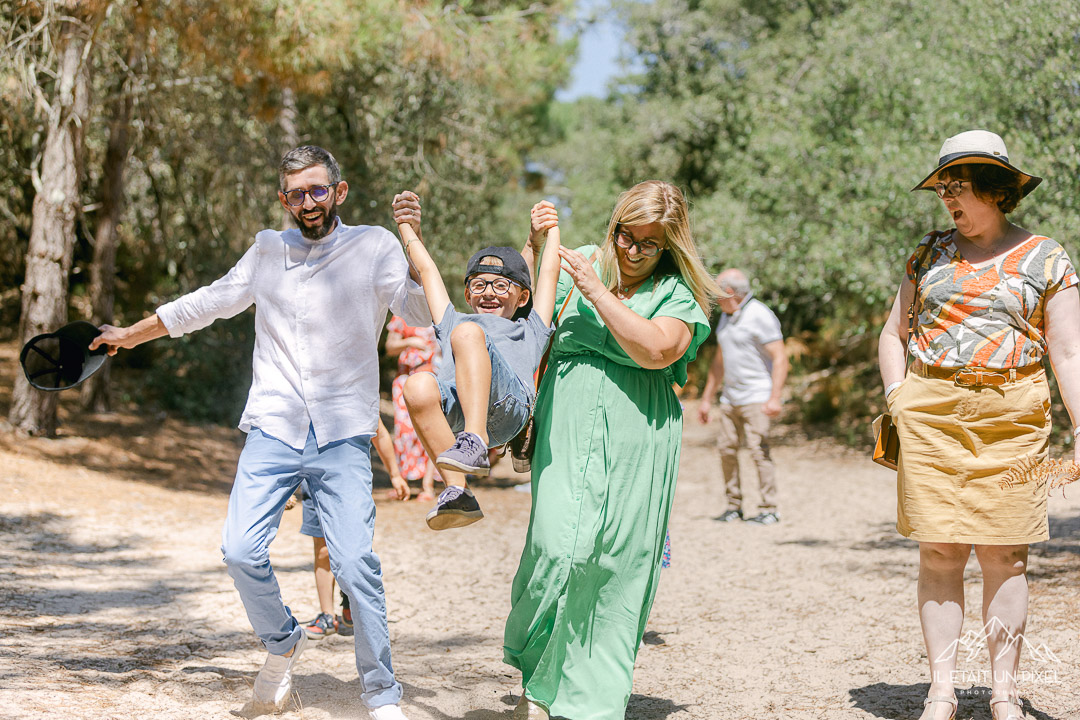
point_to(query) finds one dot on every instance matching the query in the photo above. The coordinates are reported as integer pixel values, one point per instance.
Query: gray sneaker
(456, 507)
(468, 454)
(765, 518)
(729, 515)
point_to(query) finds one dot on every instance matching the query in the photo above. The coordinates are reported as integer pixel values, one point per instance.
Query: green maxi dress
(603, 476)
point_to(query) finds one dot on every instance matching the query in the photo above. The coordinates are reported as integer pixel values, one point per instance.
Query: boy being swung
(484, 393)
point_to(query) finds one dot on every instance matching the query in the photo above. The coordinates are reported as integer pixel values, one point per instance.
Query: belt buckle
(961, 377)
(968, 377)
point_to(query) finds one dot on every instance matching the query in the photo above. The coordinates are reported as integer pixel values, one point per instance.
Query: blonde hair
(655, 201)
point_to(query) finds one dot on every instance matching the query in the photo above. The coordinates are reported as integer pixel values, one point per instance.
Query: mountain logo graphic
(974, 642)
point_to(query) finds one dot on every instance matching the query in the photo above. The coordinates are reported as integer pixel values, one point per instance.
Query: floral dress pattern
(410, 453)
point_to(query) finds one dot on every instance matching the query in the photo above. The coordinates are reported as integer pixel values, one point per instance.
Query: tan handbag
(886, 442)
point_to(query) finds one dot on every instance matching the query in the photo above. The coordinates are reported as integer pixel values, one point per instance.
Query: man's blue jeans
(338, 476)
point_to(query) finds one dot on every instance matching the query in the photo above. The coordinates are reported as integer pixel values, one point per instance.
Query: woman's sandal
(945, 699)
(1007, 699)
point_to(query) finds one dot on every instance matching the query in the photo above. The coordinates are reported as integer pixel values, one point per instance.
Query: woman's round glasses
(950, 189)
(318, 193)
(646, 247)
(479, 286)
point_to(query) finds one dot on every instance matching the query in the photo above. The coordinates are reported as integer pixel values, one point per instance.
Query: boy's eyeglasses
(479, 286)
(318, 193)
(950, 189)
(645, 247)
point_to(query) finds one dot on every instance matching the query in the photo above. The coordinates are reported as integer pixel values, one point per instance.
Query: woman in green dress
(609, 429)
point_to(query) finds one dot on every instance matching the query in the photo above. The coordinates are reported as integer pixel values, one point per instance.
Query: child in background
(416, 351)
(484, 393)
(326, 623)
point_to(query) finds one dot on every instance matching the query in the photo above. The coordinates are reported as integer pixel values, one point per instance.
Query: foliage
(797, 129)
(443, 97)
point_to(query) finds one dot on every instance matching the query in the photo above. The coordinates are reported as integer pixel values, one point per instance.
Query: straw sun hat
(976, 147)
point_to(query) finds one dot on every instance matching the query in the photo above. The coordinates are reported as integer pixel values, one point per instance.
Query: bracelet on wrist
(1076, 431)
(891, 387)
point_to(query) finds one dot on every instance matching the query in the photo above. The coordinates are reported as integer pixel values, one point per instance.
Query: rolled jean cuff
(387, 696)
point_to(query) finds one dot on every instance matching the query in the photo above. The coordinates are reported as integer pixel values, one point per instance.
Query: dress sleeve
(1060, 273)
(919, 255)
(677, 301)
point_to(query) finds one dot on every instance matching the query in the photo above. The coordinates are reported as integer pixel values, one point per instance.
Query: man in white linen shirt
(321, 294)
(751, 366)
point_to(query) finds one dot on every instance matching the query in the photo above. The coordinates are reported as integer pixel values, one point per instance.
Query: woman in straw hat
(609, 429)
(980, 306)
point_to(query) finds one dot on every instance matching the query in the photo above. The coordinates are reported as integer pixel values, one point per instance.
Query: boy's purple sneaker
(456, 507)
(468, 454)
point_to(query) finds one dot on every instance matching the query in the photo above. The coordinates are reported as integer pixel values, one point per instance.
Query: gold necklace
(624, 289)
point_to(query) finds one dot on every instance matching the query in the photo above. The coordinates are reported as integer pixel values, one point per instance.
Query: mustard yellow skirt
(956, 445)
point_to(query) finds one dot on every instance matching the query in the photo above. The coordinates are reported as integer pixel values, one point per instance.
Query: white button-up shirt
(319, 310)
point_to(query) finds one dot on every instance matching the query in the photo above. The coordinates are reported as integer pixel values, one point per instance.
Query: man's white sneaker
(274, 682)
(388, 712)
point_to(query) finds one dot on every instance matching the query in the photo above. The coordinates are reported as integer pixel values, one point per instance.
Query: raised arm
(542, 218)
(652, 344)
(407, 217)
(1063, 340)
(548, 277)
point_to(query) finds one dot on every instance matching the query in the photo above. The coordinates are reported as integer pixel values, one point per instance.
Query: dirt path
(114, 602)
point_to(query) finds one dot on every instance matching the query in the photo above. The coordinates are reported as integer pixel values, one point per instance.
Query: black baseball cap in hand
(62, 359)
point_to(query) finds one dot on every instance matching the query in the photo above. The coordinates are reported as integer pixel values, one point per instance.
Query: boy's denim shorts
(509, 405)
(310, 525)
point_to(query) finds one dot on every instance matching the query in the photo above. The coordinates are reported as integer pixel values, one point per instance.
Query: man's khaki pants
(749, 423)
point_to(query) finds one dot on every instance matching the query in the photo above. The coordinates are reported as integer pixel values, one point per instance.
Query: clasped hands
(544, 217)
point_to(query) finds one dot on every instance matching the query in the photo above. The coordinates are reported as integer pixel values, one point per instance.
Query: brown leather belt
(977, 376)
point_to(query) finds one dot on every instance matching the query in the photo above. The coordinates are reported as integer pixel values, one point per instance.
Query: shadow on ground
(883, 700)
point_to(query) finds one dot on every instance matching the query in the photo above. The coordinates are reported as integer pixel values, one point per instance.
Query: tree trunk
(52, 234)
(95, 392)
(290, 138)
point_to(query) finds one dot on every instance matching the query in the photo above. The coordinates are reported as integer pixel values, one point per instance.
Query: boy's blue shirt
(521, 343)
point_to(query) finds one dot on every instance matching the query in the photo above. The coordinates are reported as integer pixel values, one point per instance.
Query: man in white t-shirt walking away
(751, 366)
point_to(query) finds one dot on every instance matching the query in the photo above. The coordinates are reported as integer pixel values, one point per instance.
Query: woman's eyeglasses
(950, 189)
(479, 286)
(318, 193)
(626, 241)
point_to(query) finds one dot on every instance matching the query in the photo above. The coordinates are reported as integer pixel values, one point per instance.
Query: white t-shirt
(742, 337)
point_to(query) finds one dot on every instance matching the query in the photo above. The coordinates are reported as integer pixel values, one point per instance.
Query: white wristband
(1076, 431)
(891, 387)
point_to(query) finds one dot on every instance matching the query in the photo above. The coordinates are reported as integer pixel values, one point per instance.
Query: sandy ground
(114, 602)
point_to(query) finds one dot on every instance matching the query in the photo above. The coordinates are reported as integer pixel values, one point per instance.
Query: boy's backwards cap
(513, 266)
